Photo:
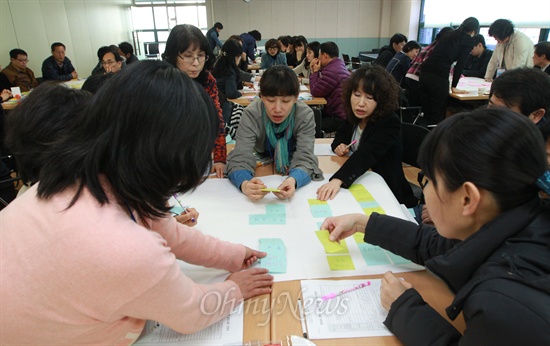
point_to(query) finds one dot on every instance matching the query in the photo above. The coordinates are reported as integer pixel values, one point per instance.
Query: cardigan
(517, 52)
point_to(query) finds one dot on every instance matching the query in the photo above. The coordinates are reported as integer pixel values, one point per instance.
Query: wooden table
(248, 97)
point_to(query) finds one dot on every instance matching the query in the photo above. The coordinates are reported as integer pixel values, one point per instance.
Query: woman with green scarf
(278, 127)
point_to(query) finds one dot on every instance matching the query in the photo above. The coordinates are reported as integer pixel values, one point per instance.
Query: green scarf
(278, 137)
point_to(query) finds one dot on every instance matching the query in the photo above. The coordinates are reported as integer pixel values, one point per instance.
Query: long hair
(494, 148)
(314, 47)
(468, 25)
(180, 39)
(149, 131)
(230, 50)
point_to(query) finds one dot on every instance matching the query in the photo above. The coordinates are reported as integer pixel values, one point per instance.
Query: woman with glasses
(276, 127)
(372, 133)
(273, 55)
(491, 235)
(188, 50)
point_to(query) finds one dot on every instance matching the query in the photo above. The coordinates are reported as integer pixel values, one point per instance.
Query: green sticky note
(331, 247)
(270, 189)
(340, 262)
(314, 201)
(275, 261)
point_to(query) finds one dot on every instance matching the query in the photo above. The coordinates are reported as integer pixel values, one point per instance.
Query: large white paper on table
(228, 214)
(323, 149)
(351, 315)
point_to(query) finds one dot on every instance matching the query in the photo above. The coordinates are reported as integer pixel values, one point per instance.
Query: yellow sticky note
(270, 189)
(331, 247)
(358, 236)
(313, 201)
(340, 262)
(369, 211)
(360, 193)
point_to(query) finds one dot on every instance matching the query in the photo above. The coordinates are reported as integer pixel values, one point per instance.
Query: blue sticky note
(275, 209)
(320, 210)
(177, 209)
(372, 204)
(265, 219)
(275, 261)
(373, 255)
(396, 259)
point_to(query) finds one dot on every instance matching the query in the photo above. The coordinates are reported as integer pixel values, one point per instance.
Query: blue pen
(185, 210)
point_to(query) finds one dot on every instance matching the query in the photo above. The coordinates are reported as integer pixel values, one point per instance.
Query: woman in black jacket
(492, 236)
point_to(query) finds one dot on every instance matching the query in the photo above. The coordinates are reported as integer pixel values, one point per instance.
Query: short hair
(410, 46)
(493, 148)
(180, 39)
(377, 82)
(272, 43)
(527, 88)
(126, 48)
(279, 80)
(57, 44)
(478, 38)
(218, 25)
(256, 34)
(501, 29)
(236, 37)
(43, 117)
(14, 53)
(543, 48)
(545, 130)
(108, 49)
(330, 48)
(145, 155)
(398, 38)
(96, 81)
(284, 39)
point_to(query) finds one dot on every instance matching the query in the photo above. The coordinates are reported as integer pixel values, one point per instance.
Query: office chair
(345, 57)
(355, 62)
(152, 50)
(405, 109)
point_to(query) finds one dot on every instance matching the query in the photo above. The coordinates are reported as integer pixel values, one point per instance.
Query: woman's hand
(188, 217)
(392, 288)
(341, 227)
(251, 256)
(315, 65)
(253, 189)
(218, 168)
(252, 282)
(288, 187)
(6, 95)
(329, 190)
(341, 150)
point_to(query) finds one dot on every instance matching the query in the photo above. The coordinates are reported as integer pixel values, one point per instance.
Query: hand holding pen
(343, 149)
(189, 215)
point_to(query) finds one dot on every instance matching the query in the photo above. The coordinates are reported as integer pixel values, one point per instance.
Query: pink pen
(352, 143)
(347, 290)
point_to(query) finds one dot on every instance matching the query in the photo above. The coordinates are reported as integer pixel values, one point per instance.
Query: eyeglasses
(22, 60)
(191, 59)
(108, 62)
(273, 48)
(422, 180)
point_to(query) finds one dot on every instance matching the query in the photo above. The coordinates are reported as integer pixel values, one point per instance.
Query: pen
(352, 143)
(185, 210)
(347, 290)
(302, 317)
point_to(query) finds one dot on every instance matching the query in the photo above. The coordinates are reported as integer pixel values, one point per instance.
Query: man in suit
(477, 62)
(541, 57)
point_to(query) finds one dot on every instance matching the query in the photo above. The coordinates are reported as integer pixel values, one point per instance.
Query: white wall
(82, 25)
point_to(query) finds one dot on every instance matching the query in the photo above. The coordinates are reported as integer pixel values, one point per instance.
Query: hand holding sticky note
(331, 247)
(270, 189)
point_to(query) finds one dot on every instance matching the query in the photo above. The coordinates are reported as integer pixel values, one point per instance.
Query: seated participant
(296, 54)
(370, 98)
(100, 247)
(401, 62)
(479, 58)
(109, 60)
(279, 127)
(397, 42)
(273, 55)
(58, 66)
(126, 50)
(541, 57)
(490, 241)
(17, 72)
(304, 69)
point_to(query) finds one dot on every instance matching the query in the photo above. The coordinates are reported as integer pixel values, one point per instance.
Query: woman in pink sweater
(89, 253)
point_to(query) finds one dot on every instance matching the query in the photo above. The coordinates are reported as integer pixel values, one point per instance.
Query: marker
(347, 290)
(185, 210)
(302, 318)
(352, 143)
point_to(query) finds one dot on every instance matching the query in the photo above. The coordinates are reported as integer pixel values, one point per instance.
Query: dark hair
(279, 80)
(314, 47)
(410, 46)
(180, 39)
(272, 43)
(284, 40)
(57, 44)
(236, 37)
(96, 81)
(491, 147)
(218, 25)
(398, 38)
(230, 50)
(256, 34)
(501, 29)
(528, 88)
(330, 48)
(545, 130)
(442, 32)
(468, 25)
(479, 39)
(108, 49)
(543, 48)
(300, 41)
(145, 154)
(17, 51)
(377, 82)
(126, 48)
(43, 117)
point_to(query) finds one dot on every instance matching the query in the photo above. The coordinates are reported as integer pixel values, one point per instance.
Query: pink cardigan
(91, 275)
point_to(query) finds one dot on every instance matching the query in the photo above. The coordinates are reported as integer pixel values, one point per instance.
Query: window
(153, 19)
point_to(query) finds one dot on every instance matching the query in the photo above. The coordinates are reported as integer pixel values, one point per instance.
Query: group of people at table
(96, 257)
